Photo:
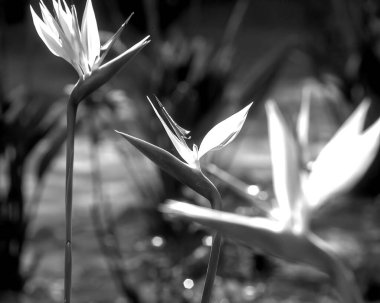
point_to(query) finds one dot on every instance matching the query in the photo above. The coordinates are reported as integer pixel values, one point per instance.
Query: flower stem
(215, 253)
(71, 117)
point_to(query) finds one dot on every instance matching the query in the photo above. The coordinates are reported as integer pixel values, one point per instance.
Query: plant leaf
(182, 172)
(267, 236)
(224, 132)
(105, 48)
(256, 232)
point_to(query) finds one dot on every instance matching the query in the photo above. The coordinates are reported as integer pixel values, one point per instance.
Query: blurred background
(207, 59)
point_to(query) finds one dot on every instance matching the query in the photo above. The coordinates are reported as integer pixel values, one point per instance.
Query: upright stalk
(72, 107)
(216, 203)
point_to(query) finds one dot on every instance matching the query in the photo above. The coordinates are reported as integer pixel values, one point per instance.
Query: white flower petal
(49, 20)
(184, 151)
(51, 41)
(64, 18)
(351, 127)
(303, 121)
(77, 44)
(285, 162)
(344, 160)
(224, 132)
(90, 34)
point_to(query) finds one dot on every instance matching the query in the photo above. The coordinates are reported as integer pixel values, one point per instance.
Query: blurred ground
(91, 280)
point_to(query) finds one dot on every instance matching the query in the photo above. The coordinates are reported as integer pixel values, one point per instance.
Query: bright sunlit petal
(49, 20)
(46, 35)
(224, 132)
(303, 121)
(90, 33)
(285, 161)
(64, 17)
(342, 163)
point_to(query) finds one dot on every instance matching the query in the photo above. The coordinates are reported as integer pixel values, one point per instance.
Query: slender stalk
(217, 240)
(212, 267)
(342, 277)
(72, 107)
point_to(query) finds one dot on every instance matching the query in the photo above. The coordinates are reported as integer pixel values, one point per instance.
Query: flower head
(218, 137)
(337, 168)
(78, 45)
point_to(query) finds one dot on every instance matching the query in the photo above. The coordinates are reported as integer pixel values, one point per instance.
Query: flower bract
(78, 45)
(218, 137)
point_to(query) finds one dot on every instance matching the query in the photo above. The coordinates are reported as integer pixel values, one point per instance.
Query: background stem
(71, 117)
(212, 267)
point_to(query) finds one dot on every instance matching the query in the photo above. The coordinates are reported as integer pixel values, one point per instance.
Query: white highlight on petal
(224, 132)
(345, 158)
(47, 36)
(90, 34)
(285, 162)
(303, 121)
(80, 46)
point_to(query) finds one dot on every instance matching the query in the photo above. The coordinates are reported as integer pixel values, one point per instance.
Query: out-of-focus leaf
(264, 72)
(285, 162)
(40, 129)
(269, 236)
(51, 153)
(256, 232)
(173, 166)
(345, 159)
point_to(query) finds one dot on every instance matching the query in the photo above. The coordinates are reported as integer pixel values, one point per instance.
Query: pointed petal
(343, 161)
(303, 122)
(64, 18)
(68, 34)
(90, 34)
(179, 131)
(285, 161)
(108, 45)
(184, 151)
(46, 35)
(174, 167)
(266, 236)
(224, 132)
(49, 20)
(104, 73)
(352, 126)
